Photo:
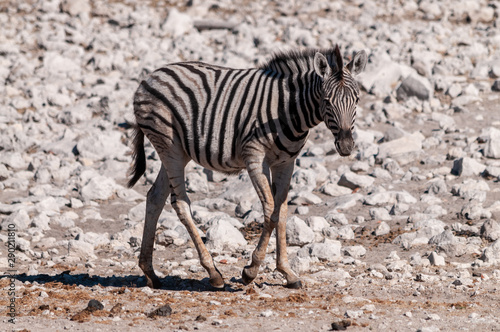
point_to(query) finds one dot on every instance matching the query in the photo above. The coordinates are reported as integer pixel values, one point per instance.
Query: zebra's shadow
(170, 283)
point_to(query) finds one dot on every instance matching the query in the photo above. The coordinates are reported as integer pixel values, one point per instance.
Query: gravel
(420, 189)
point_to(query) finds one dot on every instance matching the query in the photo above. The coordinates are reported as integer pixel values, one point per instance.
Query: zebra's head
(340, 95)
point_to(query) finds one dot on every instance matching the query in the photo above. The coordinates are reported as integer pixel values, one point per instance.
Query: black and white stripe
(217, 111)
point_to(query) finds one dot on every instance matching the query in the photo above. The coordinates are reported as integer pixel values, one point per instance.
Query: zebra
(228, 120)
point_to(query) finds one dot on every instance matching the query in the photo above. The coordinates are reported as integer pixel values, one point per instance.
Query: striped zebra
(228, 120)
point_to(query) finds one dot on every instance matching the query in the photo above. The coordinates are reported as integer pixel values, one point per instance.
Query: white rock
(382, 229)
(81, 249)
(381, 77)
(76, 7)
(95, 239)
(352, 180)
(317, 224)
(490, 230)
(20, 219)
(414, 86)
(346, 232)
(196, 183)
(380, 214)
(305, 198)
(303, 178)
(222, 234)
(297, 232)
(328, 251)
(436, 259)
(300, 264)
(99, 145)
(99, 187)
(380, 198)
(354, 251)
(334, 190)
(404, 150)
(345, 202)
(492, 253)
(446, 122)
(467, 167)
(470, 189)
(177, 23)
(13, 160)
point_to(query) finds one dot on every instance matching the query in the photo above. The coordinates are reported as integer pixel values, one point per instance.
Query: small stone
(414, 86)
(492, 253)
(328, 251)
(341, 325)
(267, 313)
(297, 232)
(20, 219)
(196, 183)
(490, 230)
(467, 167)
(81, 249)
(433, 317)
(496, 86)
(404, 150)
(317, 224)
(354, 251)
(94, 305)
(436, 259)
(380, 214)
(223, 234)
(352, 180)
(99, 187)
(177, 23)
(382, 229)
(336, 218)
(333, 189)
(163, 311)
(302, 210)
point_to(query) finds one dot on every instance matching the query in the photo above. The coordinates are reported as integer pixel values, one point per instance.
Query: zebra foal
(228, 120)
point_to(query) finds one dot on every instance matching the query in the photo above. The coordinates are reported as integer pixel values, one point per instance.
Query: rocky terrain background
(401, 236)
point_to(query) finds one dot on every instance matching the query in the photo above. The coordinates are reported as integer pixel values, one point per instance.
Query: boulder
(223, 235)
(403, 150)
(298, 233)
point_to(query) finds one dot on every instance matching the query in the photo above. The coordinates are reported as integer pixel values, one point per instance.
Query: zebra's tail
(139, 157)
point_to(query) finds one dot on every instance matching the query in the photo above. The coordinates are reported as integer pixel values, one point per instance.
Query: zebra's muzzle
(344, 142)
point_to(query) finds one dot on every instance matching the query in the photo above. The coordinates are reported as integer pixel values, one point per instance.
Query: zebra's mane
(303, 59)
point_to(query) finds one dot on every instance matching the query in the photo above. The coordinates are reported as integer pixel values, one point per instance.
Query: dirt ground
(344, 293)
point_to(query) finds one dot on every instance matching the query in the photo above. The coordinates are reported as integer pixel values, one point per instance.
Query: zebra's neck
(305, 100)
(296, 70)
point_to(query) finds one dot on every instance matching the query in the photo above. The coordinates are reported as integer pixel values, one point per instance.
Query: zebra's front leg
(181, 205)
(259, 173)
(155, 202)
(281, 182)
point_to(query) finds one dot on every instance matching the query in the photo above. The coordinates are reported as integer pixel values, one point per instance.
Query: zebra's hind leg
(181, 204)
(259, 173)
(156, 198)
(281, 182)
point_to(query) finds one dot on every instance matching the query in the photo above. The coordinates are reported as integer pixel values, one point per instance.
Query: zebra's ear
(321, 66)
(358, 63)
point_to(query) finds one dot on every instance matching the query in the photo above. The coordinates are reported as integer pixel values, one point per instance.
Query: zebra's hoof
(153, 282)
(217, 282)
(245, 277)
(294, 285)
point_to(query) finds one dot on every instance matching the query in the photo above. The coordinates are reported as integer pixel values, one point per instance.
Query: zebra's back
(216, 112)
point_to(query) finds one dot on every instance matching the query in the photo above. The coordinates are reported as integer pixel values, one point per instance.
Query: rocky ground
(401, 236)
